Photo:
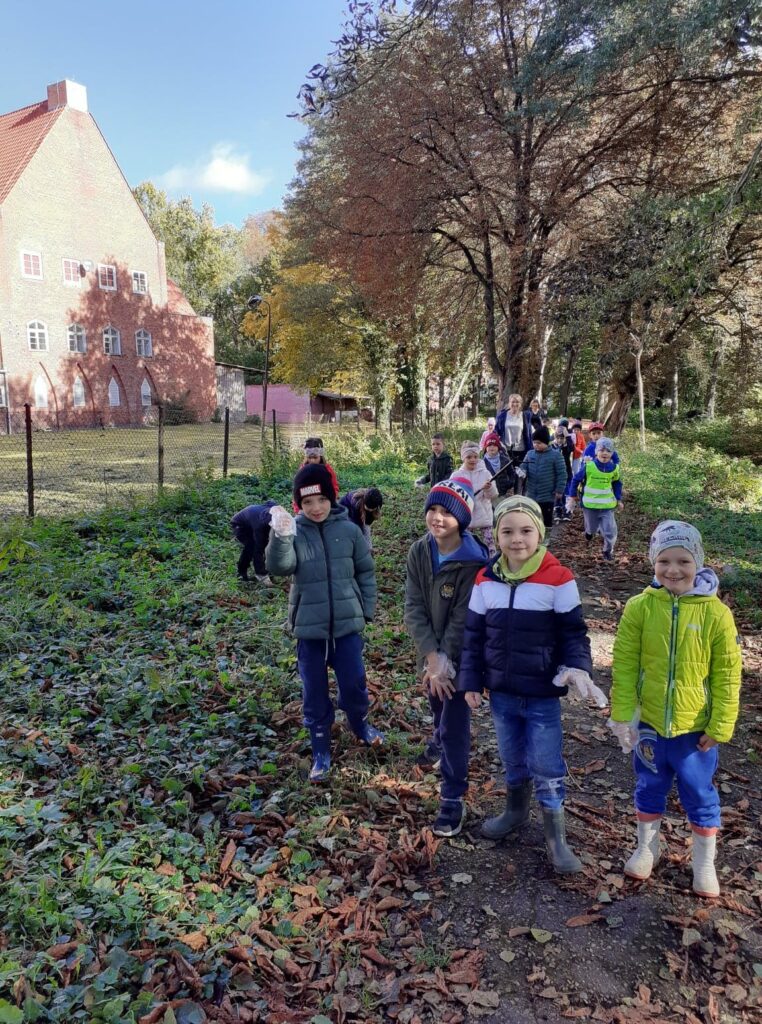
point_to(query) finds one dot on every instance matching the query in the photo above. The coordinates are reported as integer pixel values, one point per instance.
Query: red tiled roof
(176, 300)
(21, 133)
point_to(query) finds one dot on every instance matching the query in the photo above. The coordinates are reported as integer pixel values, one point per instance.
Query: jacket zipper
(669, 703)
(330, 584)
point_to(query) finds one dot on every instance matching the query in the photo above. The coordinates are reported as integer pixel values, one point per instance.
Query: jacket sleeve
(448, 466)
(416, 619)
(280, 556)
(559, 471)
(724, 678)
(471, 673)
(365, 574)
(616, 484)
(500, 424)
(625, 668)
(574, 645)
(576, 482)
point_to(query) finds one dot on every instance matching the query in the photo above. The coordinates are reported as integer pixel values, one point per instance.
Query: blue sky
(192, 96)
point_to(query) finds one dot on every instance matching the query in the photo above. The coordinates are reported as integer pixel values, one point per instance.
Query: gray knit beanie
(674, 534)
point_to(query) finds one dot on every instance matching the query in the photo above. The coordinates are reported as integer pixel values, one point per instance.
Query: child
(525, 640)
(497, 462)
(332, 596)
(564, 444)
(364, 508)
(314, 453)
(578, 439)
(490, 430)
(439, 466)
(545, 473)
(601, 479)
(251, 528)
(596, 433)
(476, 473)
(441, 567)
(676, 680)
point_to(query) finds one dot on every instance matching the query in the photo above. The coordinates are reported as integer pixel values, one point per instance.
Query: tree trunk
(544, 349)
(616, 420)
(714, 378)
(675, 393)
(641, 399)
(563, 401)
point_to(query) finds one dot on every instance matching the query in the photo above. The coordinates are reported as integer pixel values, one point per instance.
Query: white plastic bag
(586, 688)
(282, 522)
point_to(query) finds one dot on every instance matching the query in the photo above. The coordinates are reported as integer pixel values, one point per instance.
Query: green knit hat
(520, 503)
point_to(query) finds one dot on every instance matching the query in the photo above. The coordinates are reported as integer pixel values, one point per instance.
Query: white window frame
(34, 255)
(146, 394)
(144, 343)
(77, 334)
(40, 392)
(71, 265)
(142, 277)
(116, 350)
(106, 287)
(114, 390)
(3, 392)
(78, 393)
(38, 330)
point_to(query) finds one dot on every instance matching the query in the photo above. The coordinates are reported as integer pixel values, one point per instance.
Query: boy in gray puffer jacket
(332, 596)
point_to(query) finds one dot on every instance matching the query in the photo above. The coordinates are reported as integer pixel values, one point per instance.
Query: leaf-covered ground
(164, 859)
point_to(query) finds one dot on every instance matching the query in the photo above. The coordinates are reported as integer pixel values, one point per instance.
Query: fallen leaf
(462, 878)
(541, 935)
(194, 940)
(227, 860)
(518, 930)
(736, 993)
(690, 936)
(581, 920)
(507, 956)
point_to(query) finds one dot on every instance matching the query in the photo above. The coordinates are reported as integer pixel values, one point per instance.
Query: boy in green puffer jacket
(332, 596)
(676, 681)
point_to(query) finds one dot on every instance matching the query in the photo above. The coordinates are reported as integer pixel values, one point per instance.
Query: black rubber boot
(564, 860)
(516, 813)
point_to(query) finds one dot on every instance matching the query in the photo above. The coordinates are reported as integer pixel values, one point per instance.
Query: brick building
(91, 328)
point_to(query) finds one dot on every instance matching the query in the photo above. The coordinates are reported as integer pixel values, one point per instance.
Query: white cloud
(223, 170)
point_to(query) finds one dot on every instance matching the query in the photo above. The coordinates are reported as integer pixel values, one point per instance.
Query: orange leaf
(230, 852)
(194, 940)
(583, 919)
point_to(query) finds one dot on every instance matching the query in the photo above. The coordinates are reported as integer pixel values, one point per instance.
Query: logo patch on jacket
(446, 591)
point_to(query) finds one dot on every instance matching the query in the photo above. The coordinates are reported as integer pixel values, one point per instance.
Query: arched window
(112, 342)
(114, 397)
(78, 393)
(37, 335)
(40, 393)
(77, 338)
(143, 344)
(145, 393)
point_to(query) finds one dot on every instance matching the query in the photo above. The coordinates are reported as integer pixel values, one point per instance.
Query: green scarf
(530, 566)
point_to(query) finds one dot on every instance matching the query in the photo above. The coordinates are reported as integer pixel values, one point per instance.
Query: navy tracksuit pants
(452, 737)
(344, 655)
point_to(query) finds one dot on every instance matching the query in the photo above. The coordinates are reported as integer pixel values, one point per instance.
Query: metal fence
(57, 472)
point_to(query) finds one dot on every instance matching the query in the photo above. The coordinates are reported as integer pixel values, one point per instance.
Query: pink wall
(290, 406)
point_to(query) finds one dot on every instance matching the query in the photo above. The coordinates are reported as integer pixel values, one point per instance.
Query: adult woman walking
(514, 428)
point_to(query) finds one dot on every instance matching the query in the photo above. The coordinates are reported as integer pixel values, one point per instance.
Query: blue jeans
(452, 736)
(344, 656)
(530, 741)
(658, 761)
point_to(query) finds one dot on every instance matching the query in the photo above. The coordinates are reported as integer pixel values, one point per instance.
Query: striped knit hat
(456, 495)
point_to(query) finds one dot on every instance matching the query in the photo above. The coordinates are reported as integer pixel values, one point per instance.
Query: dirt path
(598, 946)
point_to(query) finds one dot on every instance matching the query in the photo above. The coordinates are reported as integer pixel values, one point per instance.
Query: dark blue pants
(344, 656)
(658, 762)
(452, 735)
(253, 543)
(530, 741)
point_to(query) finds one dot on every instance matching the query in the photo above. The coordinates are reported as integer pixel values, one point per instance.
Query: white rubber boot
(702, 860)
(646, 857)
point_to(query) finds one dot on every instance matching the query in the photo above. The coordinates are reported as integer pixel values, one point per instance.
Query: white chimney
(67, 94)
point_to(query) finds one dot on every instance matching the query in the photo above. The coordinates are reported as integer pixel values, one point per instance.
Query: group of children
(510, 625)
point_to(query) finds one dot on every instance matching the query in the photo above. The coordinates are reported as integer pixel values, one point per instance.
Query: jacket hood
(706, 584)
(471, 550)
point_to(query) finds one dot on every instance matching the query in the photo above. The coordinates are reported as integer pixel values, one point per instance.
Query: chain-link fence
(55, 472)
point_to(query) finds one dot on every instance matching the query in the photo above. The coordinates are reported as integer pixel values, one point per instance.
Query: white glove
(282, 522)
(440, 672)
(626, 733)
(521, 472)
(586, 688)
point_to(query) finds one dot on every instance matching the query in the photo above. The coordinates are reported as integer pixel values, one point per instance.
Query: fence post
(226, 444)
(29, 463)
(161, 445)
(275, 431)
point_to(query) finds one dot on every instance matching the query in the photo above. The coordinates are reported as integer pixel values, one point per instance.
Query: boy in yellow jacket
(676, 681)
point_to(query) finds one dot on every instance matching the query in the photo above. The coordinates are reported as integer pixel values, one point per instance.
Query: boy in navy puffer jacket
(545, 473)
(332, 596)
(525, 640)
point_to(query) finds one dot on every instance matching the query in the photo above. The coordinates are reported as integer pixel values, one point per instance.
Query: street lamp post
(254, 303)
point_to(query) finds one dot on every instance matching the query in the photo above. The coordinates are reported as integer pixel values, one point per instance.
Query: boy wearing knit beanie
(545, 473)
(441, 567)
(524, 641)
(676, 681)
(332, 596)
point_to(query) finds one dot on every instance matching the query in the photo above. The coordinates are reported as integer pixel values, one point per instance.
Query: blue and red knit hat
(456, 495)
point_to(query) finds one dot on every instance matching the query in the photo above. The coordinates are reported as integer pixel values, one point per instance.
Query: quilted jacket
(679, 660)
